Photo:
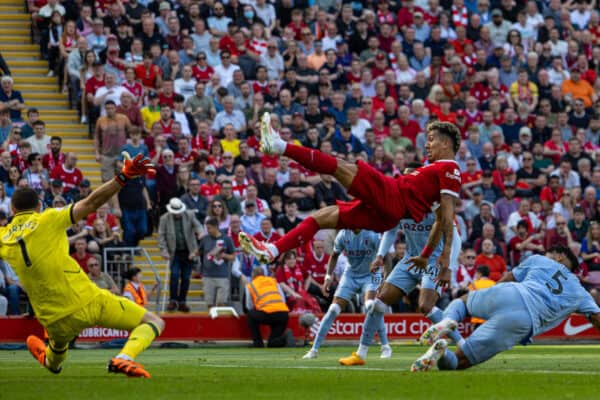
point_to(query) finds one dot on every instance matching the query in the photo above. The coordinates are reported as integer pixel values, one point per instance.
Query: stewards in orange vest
(266, 305)
(481, 281)
(134, 289)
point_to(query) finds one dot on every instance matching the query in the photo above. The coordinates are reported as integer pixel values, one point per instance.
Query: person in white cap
(177, 232)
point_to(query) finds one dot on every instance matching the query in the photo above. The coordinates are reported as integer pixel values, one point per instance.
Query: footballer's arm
(98, 197)
(595, 320)
(443, 226)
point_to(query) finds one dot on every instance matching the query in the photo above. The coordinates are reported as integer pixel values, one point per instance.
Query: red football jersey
(71, 178)
(424, 186)
(209, 191)
(315, 267)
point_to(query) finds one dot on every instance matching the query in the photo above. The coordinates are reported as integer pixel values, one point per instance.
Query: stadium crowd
(186, 82)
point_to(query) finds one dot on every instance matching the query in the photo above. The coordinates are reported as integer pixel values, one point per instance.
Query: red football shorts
(380, 204)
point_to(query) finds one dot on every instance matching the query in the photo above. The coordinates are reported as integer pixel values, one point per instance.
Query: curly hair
(447, 129)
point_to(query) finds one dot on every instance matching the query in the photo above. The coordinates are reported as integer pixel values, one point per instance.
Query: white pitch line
(361, 368)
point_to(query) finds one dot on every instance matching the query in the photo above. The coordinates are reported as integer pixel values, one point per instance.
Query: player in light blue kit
(360, 247)
(532, 299)
(403, 279)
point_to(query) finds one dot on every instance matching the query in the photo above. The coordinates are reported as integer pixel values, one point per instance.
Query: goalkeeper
(64, 299)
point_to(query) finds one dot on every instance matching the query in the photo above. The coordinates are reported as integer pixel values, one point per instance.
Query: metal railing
(117, 260)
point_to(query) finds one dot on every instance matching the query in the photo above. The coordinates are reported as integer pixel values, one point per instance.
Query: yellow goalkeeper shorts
(106, 310)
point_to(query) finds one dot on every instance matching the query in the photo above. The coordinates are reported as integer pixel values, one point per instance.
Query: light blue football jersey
(360, 249)
(416, 235)
(551, 292)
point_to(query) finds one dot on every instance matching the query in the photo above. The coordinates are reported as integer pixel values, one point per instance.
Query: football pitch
(534, 372)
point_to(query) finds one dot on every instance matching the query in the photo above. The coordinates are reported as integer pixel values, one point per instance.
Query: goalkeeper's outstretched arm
(131, 169)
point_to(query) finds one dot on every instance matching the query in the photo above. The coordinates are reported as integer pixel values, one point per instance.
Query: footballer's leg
(339, 304)
(428, 297)
(144, 326)
(389, 294)
(50, 357)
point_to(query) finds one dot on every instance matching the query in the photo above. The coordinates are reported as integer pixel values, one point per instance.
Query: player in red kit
(381, 201)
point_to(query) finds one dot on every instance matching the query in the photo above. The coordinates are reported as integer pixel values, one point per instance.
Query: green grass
(535, 372)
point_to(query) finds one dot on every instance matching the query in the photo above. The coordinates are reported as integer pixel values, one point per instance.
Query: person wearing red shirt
(267, 233)
(523, 245)
(68, 173)
(202, 72)
(211, 188)
(261, 84)
(167, 94)
(148, 74)
(555, 148)
(91, 86)
(560, 236)
(410, 128)
(466, 270)
(133, 86)
(381, 201)
(314, 268)
(472, 176)
(185, 156)
(166, 119)
(104, 214)
(81, 255)
(551, 193)
(493, 261)
(54, 157)
(406, 14)
(297, 23)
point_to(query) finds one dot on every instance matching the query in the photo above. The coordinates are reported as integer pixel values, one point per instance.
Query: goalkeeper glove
(132, 168)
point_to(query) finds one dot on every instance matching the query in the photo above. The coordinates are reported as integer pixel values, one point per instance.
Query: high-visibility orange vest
(266, 296)
(138, 295)
(479, 284)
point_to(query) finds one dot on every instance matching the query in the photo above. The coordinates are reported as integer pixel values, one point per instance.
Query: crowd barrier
(201, 328)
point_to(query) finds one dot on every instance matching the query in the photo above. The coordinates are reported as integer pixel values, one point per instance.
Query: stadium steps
(42, 92)
(196, 293)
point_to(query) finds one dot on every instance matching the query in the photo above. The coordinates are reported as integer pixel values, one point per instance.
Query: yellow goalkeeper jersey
(36, 246)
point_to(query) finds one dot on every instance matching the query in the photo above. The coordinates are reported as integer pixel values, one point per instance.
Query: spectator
(81, 254)
(218, 211)
(40, 142)
(328, 191)
(55, 193)
(10, 99)
(226, 196)
(129, 108)
(68, 173)
(299, 191)
(507, 204)
(177, 233)
(261, 205)
(289, 220)
(560, 235)
(99, 277)
(523, 213)
(10, 287)
(217, 252)
(166, 179)
(489, 232)
(210, 188)
(134, 289)
(524, 244)
(466, 271)
(55, 156)
(493, 261)
(134, 204)
(568, 179)
(110, 137)
(229, 116)
(266, 304)
(199, 105)
(194, 201)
